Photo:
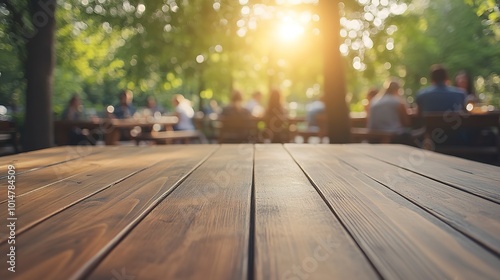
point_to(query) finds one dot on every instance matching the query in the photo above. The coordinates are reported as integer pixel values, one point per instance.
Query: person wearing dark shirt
(464, 81)
(74, 112)
(275, 118)
(125, 109)
(235, 107)
(238, 125)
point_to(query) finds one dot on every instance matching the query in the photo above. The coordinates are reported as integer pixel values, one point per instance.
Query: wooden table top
(251, 212)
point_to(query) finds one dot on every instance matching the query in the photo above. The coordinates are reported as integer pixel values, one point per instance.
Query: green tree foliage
(204, 48)
(446, 32)
(449, 32)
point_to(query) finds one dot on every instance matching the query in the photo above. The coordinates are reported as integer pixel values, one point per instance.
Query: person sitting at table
(125, 109)
(184, 113)
(237, 123)
(388, 113)
(254, 105)
(442, 98)
(314, 110)
(74, 112)
(474, 136)
(464, 81)
(369, 97)
(275, 118)
(152, 108)
(235, 107)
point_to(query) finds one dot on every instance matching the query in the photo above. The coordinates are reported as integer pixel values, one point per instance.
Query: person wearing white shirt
(389, 112)
(184, 112)
(254, 105)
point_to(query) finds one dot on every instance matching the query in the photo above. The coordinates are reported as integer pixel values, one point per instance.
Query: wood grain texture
(469, 214)
(296, 234)
(37, 206)
(200, 231)
(26, 162)
(67, 244)
(417, 161)
(41, 177)
(401, 240)
(467, 166)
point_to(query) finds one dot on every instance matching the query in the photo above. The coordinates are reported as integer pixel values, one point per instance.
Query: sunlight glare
(290, 30)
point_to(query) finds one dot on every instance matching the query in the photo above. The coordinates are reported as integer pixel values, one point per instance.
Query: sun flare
(290, 30)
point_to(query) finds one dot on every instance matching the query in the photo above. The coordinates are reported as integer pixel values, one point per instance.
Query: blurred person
(235, 107)
(389, 112)
(254, 105)
(313, 111)
(440, 97)
(74, 110)
(369, 97)
(275, 118)
(465, 82)
(152, 107)
(473, 136)
(237, 125)
(184, 112)
(211, 107)
(214, 107)
(124, 109)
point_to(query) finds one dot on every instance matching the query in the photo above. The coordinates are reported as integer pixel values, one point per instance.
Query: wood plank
(37, 206)
(460, 164)
(296, 234)
(39, 178)
(401, 240)
(26, 162)
(200, 231)
(475, 217)
(416, 161)
(62, 246)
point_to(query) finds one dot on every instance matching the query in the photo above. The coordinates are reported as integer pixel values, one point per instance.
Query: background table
(252, 212)
(110, 128)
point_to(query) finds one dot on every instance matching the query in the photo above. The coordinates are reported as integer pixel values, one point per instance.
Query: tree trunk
(337, 112)
(39, 65)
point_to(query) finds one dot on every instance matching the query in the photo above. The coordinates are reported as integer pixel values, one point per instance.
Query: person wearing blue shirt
(440, 97)
(125, 109)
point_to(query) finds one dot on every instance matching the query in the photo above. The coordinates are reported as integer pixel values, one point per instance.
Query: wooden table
(110, 128)
(251, 212)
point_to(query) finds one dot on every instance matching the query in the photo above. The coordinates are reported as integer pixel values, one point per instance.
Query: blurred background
(205, 48)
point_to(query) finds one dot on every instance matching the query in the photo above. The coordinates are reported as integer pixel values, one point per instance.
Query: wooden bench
(168, 137)
(358, 123)
(238, 130)
(439, 126)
